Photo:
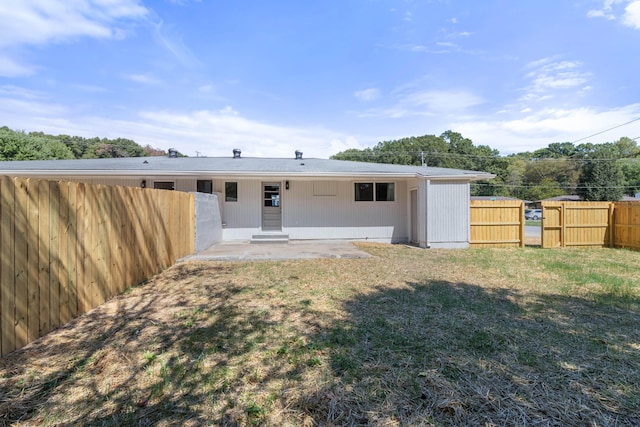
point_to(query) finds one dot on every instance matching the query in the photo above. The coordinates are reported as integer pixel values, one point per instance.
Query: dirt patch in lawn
(407, 337)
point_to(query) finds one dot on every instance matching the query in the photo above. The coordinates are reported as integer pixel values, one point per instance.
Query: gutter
(248, 174)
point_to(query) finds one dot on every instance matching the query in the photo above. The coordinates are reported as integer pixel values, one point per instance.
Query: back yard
(407, 337)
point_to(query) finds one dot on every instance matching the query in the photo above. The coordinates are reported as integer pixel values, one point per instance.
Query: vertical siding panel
(191, 221)
(33, 241)
(21, 265)
(7, 300)
(448, 212)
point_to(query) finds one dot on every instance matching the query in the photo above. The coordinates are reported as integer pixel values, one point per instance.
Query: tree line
(605, 171)
(594, 171)
(19, 145)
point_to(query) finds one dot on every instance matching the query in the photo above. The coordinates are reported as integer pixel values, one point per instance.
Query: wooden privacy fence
(626, 220)
(68, 247)
(591, 224)
(497, 223)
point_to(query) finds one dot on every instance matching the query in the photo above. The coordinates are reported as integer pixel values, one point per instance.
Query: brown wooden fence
(591, 224)
(497, 223)
(68, 247)
(626, 217)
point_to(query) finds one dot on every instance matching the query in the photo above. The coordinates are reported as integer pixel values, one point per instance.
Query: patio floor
(294, 249)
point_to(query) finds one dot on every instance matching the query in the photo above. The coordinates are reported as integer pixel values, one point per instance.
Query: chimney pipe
(298, 155)
(236, 153)
(173, 153)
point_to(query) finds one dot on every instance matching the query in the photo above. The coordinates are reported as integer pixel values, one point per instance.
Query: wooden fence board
(576, 224)
(63, 265)
(20, 257)
(68, 247)
(33, 241)
(54, 254)
(43, 257)
(496, 223)
(72, 242)
(627, 225)
(7, 299)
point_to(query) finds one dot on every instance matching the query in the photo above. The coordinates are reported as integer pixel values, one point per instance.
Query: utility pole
(422, 157)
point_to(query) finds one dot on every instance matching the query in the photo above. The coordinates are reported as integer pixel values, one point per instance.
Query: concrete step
(270, 238)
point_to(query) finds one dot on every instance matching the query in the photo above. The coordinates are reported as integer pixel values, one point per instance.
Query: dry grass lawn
(407, 337)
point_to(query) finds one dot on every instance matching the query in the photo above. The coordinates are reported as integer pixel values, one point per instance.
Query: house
(295, 197)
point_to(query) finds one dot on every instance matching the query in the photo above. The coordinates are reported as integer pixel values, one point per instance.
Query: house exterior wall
(316, 210)
(328, 210)
(448, 205)
(241, 219)
(208, 222)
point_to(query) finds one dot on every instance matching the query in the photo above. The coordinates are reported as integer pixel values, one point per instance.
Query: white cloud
(9, 67)
(146, 79)
(610, 11)
(548, 77)
(32, 22)
(212, 133)
(370, 94)
(411, 102)
(531, 130)
(632, 15)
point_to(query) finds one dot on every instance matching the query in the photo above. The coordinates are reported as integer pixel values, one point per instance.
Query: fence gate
(573, 224)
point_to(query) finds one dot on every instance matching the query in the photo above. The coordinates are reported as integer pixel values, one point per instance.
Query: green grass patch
(408, 337)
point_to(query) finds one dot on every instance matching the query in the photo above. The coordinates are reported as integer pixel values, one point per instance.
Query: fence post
(612, 225)
(563, 225)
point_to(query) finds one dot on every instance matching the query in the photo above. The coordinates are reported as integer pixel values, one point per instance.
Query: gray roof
(246, 166)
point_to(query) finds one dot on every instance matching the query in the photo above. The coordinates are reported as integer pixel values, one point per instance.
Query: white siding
(240, 219)
(306, 216)
(448, 214)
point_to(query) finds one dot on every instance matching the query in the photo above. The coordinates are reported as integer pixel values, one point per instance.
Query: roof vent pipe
(298, 155)
(173, 153)
(236, 153)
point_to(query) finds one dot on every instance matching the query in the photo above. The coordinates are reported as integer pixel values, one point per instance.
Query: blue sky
(270, 77)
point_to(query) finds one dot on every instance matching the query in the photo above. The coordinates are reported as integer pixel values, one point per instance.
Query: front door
(271, 209)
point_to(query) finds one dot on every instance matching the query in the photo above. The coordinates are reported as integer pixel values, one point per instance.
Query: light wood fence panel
(577, 224)
(68, 247)
(627, 225)
(497, 223)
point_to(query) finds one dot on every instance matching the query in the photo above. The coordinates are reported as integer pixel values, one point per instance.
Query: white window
(374, 192)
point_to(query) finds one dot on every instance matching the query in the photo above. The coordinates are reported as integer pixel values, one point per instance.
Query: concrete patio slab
(295, 249)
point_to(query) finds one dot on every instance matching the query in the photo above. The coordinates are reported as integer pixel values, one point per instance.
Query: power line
(606, 130)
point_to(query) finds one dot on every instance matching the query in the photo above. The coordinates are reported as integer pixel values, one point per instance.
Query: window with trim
(164, 185)
(204, 186)
(374, 192)
(230, 191)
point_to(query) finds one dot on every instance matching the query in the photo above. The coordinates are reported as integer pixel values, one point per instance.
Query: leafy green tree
(601, 175)
(631, 173)
(20, 146)
(16, 145)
